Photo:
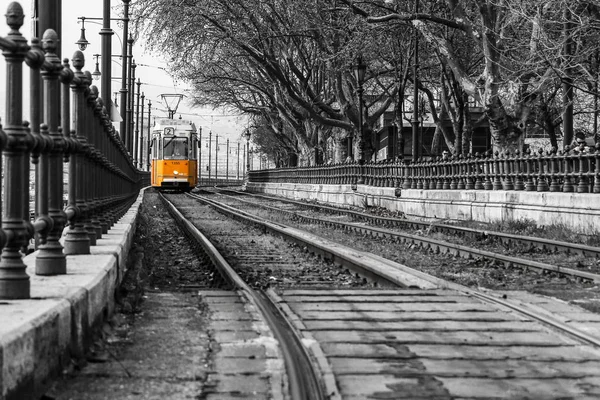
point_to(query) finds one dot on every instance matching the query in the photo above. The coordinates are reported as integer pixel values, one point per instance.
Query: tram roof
(179, 123)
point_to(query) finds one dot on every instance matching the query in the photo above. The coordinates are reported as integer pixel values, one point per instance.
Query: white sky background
(154, 81)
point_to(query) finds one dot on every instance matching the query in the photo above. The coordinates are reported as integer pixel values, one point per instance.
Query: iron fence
(576, 170)
(103, 180)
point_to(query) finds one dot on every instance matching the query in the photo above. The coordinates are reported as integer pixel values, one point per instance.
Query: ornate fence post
(529, 184)
(478, 172)
(542, 185)
(567, 168)
(95, 155)
(518, 171)
(108, 195)
(50, 259)
(469, 172)
(554, 183)
(16, 142)
(427, 174)
(35, 59)
(488, 165)
(497, 185)
(461, 176)
(77, 240)
(441, 173)
(508, 181)
(582, 186)
(407, 184)
(418, 175)
(452, 171)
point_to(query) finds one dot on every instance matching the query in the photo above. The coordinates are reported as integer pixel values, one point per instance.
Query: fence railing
(577, 170)
(220, 182)
(103, 180)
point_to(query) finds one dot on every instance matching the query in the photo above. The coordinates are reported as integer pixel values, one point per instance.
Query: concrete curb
(577, 211)
(40, 335)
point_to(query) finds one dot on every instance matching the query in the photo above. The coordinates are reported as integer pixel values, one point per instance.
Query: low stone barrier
(577, 211)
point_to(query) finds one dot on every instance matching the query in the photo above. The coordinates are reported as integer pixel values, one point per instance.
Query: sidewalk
(39, 336)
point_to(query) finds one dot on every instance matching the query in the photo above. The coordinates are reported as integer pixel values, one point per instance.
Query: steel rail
(440, 283)
(541, 243)
(303, 381)
(387, 271)
(442, 246)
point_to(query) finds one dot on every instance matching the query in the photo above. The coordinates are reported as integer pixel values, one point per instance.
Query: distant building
(391, 144)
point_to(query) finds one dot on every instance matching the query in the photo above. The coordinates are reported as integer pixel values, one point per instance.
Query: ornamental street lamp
(360, 70)
(136, 134)
(106, 33)
(130, 100)
(106, 49)
(247, 134)
(415, 117)
(96, 74)
(82, 43)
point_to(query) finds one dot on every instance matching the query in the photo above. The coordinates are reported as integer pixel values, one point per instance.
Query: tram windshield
(175, 148)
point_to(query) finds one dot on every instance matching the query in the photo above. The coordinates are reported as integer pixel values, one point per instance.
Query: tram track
(303, 380)
(471, 307)
(436, 245)
(372, 265)
(503, 237)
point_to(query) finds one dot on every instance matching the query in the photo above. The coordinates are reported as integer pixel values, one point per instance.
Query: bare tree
(522, 45)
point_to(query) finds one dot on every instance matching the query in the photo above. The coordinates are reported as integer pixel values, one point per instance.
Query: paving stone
(241, 385)
(523, 388)
(422, 337)
(391, 307)
(442, 325)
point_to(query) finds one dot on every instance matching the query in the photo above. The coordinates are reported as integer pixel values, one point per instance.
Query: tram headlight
(175, 173)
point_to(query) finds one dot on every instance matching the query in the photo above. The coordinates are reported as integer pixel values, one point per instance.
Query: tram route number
(176, 163)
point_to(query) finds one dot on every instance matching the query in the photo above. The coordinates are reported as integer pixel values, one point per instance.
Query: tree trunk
(467, 135)
(505, 138)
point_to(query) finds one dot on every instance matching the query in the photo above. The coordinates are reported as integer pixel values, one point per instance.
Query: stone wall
(577, 211)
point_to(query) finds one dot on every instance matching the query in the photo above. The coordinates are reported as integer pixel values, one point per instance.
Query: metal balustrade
(576, 170)
(102, 178)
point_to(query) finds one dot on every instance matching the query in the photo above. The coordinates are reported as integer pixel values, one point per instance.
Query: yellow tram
(174, 149)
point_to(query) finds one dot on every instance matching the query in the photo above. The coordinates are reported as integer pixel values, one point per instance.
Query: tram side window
(154, 149)
(175, 148)
(194, 149)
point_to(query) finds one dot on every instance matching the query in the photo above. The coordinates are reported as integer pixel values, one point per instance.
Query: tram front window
(175, 148)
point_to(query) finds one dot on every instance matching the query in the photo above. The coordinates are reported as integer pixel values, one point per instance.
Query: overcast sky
(155, 81)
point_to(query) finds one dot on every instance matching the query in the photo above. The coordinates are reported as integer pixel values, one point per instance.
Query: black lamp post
(360, 70)
(140, 149)
(124, 71)
(415, 117)
(106, 49)
(106, 32)
(247, 134)
(209, 154)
